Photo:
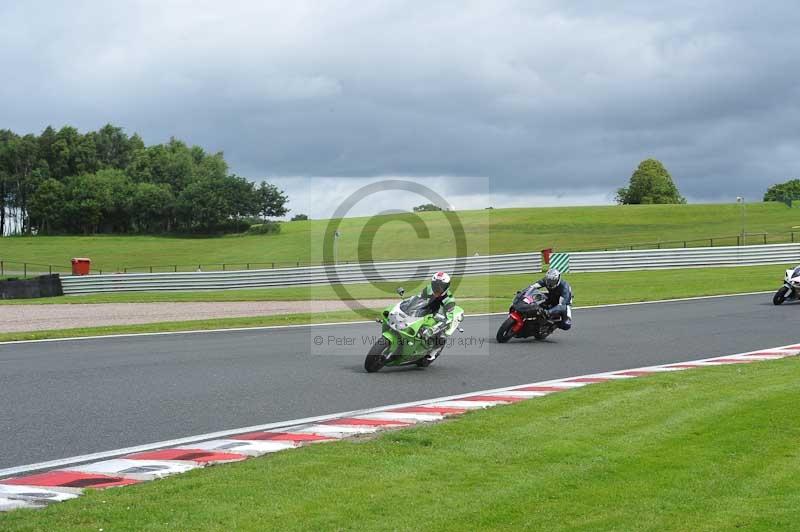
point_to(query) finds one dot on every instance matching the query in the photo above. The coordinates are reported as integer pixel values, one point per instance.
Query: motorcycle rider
(441, 304)
(559, 298)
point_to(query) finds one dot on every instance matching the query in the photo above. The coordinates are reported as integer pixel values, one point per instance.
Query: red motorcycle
(526, 317)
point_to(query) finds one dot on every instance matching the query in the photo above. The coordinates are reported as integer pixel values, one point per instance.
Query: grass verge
(708, 449)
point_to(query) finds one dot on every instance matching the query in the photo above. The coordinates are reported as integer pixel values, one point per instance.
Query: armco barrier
(314, 275)
(651, 259)
(512, 263)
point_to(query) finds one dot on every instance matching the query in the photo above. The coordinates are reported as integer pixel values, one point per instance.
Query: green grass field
(392, 237)
(701, 450)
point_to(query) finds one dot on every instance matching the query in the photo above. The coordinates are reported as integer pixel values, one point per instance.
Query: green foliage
(47, 205)
(785, 192)
(426, 207)
(267, 228)
(271, 201)
(106, 182)
(650, 184)
(299, 217)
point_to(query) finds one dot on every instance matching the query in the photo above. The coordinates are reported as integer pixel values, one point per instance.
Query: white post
(740, 199)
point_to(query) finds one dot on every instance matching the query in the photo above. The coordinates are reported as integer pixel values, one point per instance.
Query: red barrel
(81, 266)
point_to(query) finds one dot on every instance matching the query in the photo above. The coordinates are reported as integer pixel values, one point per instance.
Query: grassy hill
(396, 236)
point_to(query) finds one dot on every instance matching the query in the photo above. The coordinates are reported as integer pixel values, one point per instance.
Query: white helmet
(440, 282)
(552, 278)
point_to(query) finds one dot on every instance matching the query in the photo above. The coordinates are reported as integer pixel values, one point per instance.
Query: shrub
(266, 228)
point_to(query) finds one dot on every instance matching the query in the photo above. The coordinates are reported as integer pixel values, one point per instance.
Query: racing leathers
(558, 303)
(441, 307)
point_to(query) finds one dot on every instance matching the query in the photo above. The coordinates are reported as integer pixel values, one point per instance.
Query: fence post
(792, 237)
(175, 267)
(712, 242)
(25, 269)
(2, 268)
(273, 265)
(151, 269)
(765, 238)
(738, 240)
(50, 267)
(248, 265)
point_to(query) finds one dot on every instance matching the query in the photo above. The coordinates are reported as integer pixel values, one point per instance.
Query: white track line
(360, 322)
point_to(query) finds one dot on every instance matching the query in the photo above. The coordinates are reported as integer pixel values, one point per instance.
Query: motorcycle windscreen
(416, 307)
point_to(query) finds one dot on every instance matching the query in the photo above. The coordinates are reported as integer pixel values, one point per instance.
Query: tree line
(66, 182)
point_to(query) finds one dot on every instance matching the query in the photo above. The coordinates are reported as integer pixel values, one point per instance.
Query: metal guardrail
(651, 259)
(393, 271)
(313, 275)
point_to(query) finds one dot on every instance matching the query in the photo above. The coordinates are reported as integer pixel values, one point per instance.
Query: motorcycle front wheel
(506, 332)
(780, 295)
(375, 360)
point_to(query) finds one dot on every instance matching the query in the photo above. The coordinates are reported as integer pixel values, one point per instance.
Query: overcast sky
(550, 102)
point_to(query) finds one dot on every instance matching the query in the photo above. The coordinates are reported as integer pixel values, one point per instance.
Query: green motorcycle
(410, 333)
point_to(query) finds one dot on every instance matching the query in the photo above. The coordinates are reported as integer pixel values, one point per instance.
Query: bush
(266, 228)
(299, 217)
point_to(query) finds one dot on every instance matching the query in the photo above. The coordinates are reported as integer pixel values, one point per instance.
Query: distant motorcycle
(526, 317)
(790, 289)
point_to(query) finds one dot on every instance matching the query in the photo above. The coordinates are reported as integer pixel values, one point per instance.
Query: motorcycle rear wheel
(780, 295)
(375, 360)
(506, 332)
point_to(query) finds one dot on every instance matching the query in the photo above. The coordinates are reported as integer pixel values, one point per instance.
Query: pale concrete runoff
(22, 318)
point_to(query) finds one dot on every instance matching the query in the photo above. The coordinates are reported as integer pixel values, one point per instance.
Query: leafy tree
(22, 164)
(201, 206)
(650, 183)
(65, 155)
(88, 198)
(47, 205)
(151, 207)
(786, 192)
(299, 217)
(241, 194)
(113, 147)
(104, 181)
(271, 201)
(427, 207)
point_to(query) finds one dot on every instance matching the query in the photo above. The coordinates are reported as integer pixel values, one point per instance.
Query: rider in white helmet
(559, 298)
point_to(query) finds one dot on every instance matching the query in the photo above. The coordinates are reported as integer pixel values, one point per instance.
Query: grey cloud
(556, 97)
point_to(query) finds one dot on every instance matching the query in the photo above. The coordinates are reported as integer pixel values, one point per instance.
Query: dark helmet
(552, 278)
(440, 282)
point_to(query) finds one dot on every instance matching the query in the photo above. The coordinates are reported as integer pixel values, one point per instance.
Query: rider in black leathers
(559, 298)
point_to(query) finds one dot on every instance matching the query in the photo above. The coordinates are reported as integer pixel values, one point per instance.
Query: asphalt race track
(67, 398)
